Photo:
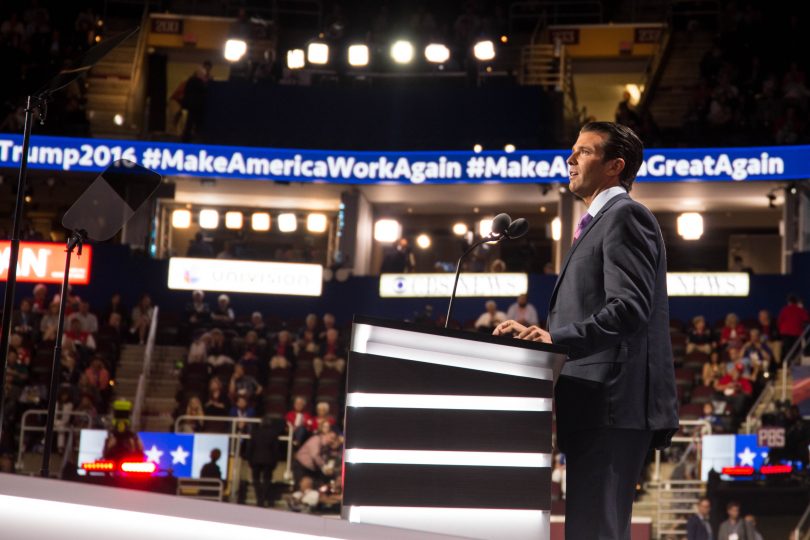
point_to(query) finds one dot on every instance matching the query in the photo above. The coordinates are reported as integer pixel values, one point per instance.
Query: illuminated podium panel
(448, 431)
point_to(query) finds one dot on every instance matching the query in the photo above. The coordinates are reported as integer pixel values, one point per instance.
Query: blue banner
(424, 167)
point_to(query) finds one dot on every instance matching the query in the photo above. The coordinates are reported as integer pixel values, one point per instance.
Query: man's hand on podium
(532, 333)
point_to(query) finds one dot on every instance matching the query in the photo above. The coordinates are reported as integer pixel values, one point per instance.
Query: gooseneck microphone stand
(75, 240)
(495, 238)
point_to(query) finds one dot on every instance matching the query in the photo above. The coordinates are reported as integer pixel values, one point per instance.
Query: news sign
(44, 262)
(708, 284)
(245, 276)
(441, 285)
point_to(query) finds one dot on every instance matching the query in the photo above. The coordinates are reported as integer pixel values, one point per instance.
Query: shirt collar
(601, 200)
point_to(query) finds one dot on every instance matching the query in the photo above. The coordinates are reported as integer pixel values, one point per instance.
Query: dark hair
(792, 299)
(732, 504)
(622, 143)
(700, 500)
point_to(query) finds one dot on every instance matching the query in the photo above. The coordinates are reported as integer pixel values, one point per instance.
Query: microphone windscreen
(517, 228)
(500, 223)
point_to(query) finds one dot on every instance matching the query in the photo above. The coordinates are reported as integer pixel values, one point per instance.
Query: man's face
(587, 172)
(522, 300)
(704, 507)
(734, 512)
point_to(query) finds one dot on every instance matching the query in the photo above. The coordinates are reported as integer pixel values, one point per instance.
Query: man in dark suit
(698, 526)
(615, 397)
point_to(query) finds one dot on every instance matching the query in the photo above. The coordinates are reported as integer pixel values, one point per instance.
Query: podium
(449, 431)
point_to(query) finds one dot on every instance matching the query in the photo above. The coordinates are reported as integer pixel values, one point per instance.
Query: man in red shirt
(736, 391)
(791, 322)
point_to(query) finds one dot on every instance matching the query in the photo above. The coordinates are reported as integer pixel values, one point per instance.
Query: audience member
(262, 454)
(211, 469)
(194, 407)
(88, 322)
(735, 528)
(792, 320)
(523, 312)
(142, 318)
(223, 315)
(699, 337)
(698, 526)
(733, 334)
(491, 318)
(300, 419)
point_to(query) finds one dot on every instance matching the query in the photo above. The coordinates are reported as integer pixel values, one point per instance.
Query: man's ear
(616, 166)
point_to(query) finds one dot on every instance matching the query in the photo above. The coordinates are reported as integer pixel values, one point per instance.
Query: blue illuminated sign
(433, 167)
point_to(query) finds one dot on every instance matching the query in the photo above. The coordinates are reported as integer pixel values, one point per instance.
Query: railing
(676, 501)
(67, 428)
(137, 89)
(796, 350)
(207, 489)
(654, 69)
(236, 439)
(801, 529)
(143, 378)
(752, 421)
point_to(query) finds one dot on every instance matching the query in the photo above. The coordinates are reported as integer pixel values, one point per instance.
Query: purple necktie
(583, 222)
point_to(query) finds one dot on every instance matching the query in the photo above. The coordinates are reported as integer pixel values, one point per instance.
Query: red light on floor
(776, 469)
(138, 467)
(102, 466)
(738, 471)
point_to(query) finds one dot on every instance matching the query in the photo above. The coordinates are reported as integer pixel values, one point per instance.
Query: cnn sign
(44, 262)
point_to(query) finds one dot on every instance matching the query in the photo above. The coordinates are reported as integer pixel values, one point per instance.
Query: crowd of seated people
(91, 345)
(35, 44)
(720, 371)
(250, 367)
(750, 91)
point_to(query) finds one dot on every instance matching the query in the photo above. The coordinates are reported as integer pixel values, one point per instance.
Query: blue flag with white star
(748, 453)
(169, 451)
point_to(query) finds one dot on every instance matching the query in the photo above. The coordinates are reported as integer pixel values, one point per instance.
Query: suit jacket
(744, 532)
(610, 308)
(695, 529)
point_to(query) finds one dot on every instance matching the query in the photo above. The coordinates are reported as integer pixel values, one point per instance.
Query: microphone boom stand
(491, 238)
(75, 241)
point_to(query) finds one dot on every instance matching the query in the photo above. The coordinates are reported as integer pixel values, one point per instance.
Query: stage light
(233, 220)
(296, 59)
(635, 93)
(318, 53)
(181, 219)
(260, 221)
(477, 148)
(402, 52)
(316, 223)
(358, 55)
(138, 467)
(287, 222)
(484, 50)
(460, 229)
(556, 229)
(437, 53)
(690, 225)
(99, 465)
(235, 49)
(504, 39)
(423, 241)
(387, 230)
(485, 227)
(118, 119)
(509, 148)
(209, 219)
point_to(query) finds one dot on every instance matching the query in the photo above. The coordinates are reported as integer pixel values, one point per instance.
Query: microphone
(502, 228)
(500, 223)
(516, 229)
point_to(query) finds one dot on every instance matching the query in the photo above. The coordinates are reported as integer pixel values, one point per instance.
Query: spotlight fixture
(260, 221)
(235, 49)
(296, 59)
(358, 55)
(318, 53)
(181, 219)
(484, 50)
(387, 230)
(402, 52)
(436, 53)
(287, 222)
(209, 219)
